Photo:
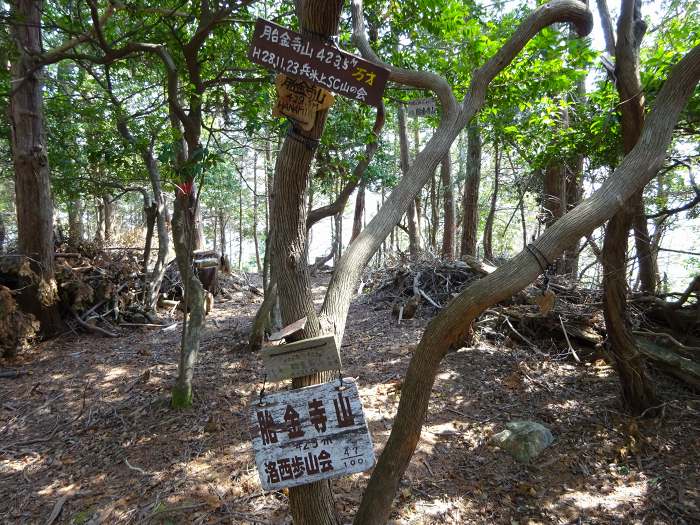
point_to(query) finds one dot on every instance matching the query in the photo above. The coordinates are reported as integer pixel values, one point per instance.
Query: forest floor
(87, 436)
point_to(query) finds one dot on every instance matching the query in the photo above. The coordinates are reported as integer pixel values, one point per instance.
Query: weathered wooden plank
(288, 330)
(301, 358)
(313, 433)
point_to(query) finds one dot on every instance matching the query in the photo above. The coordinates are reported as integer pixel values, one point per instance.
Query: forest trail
(87, 435)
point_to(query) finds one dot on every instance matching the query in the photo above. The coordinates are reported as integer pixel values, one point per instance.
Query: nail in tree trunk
(488, 226)
(470, 198)
(637, 390)
(31, 166)
(448, 232)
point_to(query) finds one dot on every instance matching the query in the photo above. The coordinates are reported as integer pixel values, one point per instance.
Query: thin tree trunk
(75, 221)
(31, 166)
(488, 227)
(448, 232)
(359, 211)
(2, 234)
(255, 213)
(149, 211)
(414, 247)
(184, 239)
(108, 211)
(240, 226)
(470, 198)
(637, 390)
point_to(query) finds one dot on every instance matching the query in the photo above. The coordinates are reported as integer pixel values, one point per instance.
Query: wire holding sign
(310, 59)
(313, 433)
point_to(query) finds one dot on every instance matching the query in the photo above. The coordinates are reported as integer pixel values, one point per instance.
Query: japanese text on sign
(421, 106)
(309, 59)
(313, 433)
(300, 100)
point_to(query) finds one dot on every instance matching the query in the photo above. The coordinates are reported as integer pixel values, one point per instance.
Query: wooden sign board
(421, 106)
(306, 58)
(301, 358)
(300, 100)
(313, 433)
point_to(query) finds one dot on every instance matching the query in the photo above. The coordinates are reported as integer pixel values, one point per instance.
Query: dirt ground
(87, 435)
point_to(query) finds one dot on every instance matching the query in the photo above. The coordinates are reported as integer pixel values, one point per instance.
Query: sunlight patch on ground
(613, 502)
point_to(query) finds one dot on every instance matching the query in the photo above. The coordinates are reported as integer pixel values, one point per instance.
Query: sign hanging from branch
(306, 58)
(420, 107)
(313, 433)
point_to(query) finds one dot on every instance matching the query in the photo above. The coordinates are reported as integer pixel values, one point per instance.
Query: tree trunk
(150, 213)
(184, 239)
(75, 221)
(470, 198)
(414, 247)
(31, 166)
(637, 390)
(448, 232)
(359, 211)
(553, 188)
(240, 226)
(108, 216)
(488, 226)
(2, 234)
(161, 215)
(255, 213)
(309, 504)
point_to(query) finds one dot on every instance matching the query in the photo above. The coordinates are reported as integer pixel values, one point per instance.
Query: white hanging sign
(312, 433)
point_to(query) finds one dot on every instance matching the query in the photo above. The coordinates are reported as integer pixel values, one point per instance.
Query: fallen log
(670, 362)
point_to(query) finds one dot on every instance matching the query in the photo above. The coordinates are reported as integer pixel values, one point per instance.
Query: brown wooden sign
(300, 100)
(286, 51)
(301, 358)
(313, 433)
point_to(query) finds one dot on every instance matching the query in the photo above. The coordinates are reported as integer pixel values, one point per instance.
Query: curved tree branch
(418, 79)
(336, 304)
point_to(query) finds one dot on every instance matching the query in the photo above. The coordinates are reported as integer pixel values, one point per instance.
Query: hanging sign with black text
(312, 433)
(286, 51)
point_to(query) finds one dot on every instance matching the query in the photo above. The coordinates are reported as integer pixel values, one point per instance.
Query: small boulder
(524, 440)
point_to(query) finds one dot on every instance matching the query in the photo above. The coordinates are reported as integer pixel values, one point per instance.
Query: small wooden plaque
(301, 358)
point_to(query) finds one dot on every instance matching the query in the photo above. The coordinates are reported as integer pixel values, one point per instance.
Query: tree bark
(637, 390)
(108, 217)
(453, 322)
(75, 221)
(448, 232)
(470, 198)
(488, 226)
(31, 166)
(184, 234)
(255, 213)
(414, 247)
(359, 211)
